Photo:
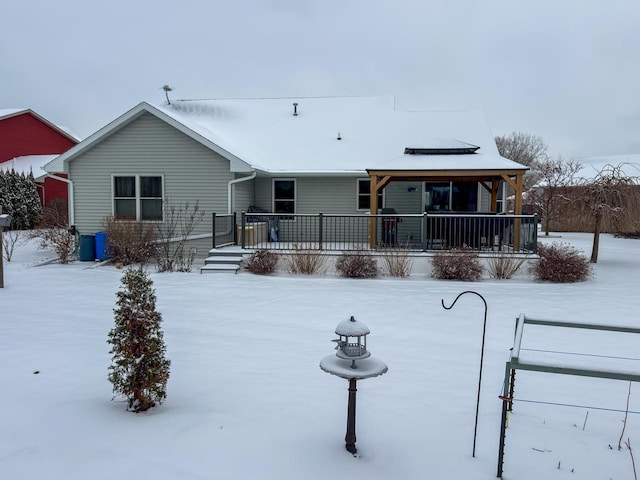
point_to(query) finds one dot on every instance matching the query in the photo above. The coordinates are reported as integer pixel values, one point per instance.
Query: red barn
(27, 142)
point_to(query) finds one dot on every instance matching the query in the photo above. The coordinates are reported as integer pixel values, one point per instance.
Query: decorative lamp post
(354, 362)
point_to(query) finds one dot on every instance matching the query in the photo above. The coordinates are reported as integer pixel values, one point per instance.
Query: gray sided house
(288, 156)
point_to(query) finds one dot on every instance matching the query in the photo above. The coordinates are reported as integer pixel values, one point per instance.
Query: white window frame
(358, 195)
(138, 198)
(295, 194)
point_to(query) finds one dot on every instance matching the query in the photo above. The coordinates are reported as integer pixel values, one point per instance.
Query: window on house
(464, 196)
(284, 196)
(364, 195)
(437, 196)
(137, 197)
(453, 196)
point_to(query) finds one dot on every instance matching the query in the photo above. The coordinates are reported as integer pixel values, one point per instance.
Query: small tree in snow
(139, 370)
(611, 196)
(172, 235)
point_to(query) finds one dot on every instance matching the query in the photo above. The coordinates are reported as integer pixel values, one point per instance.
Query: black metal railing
(224, 230)
(420, 232)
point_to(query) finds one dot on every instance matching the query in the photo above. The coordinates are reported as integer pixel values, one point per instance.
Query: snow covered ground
(247, 400)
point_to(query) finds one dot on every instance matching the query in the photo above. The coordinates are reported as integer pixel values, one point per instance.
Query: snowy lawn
(247, 400)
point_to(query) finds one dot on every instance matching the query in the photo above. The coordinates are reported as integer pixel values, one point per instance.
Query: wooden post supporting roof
(517, 184)
(373, 209)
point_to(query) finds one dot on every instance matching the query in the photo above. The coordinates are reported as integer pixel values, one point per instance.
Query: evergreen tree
(32, 201)
(19, 198)
(139, 370)
(4, 191)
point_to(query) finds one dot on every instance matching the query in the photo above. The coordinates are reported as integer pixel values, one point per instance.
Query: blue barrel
(87, 248)
(101, 246)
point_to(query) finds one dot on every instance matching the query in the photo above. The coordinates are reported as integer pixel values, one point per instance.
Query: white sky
(565, 71)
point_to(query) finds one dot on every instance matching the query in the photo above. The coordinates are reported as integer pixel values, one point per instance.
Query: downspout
(41, 187)
(72, 213)
(230, 189)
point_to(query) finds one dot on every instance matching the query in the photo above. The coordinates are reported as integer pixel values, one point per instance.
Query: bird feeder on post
(353, 362)
(5, 221)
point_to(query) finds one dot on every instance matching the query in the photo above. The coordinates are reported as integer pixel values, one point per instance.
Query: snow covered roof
(352, 328)
(324, 135)
(28, 163)
(338, 134)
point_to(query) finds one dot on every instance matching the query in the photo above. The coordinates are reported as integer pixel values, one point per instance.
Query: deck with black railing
(418, 232)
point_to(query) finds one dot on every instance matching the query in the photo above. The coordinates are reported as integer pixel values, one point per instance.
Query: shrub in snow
(53, 232)
(139, 370)
(456, 264)
(262, 262)
(397, 262)
(129, 241)
(561, 263)
(504, 265)
(357, 264)
(304, 260)
(59, 239)
(9, 240)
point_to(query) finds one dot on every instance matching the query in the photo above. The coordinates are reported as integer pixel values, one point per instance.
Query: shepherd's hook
(484, 331)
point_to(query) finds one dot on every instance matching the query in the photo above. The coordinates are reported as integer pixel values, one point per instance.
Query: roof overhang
(446, 174)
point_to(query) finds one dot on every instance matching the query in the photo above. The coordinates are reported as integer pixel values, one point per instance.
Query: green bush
(561, 263)
(456, 264)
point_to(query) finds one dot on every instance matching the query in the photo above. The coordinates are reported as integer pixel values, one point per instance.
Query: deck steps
(221, 261)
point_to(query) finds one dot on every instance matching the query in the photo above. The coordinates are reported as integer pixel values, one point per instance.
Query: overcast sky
(565, 70)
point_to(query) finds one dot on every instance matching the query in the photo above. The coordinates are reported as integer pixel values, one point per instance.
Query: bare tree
(9, 240)
(525, 149)
(173, 234)
(554, 176)
(611, 196)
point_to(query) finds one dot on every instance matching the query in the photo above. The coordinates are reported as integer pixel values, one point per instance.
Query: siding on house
(243, 196)
(313, 194)
(148, 146)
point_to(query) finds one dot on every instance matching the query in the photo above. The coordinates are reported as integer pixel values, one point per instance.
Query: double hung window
(284, 196)
(364, 195)
(138, 197)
